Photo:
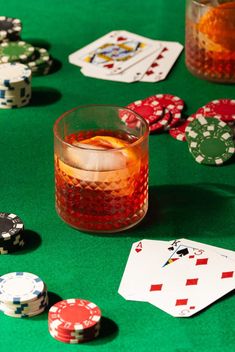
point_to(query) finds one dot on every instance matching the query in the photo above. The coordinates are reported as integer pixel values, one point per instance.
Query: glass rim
(66, 113)
(209, 4)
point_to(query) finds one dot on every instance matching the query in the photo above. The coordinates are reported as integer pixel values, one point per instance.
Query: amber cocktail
(210, 39)
(101, 168)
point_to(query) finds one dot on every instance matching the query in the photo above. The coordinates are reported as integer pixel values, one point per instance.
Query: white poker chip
(20, 287)
(14, 72)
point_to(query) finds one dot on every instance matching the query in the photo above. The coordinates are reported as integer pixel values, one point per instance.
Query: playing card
(182, 247)
(114, 52)
(145, 260)
(163, 62)
(131, 74)
(191, 284)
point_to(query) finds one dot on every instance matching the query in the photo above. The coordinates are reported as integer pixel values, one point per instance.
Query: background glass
(210, 39)
(97, 189)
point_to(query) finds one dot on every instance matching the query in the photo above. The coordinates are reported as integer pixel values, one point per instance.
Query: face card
(114, 52)
(184, 247)
(131, 74)
(145, 261)
(191, 284)
(163, 62)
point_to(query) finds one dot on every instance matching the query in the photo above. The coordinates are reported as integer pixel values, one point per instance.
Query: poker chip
(174, 104)
(76, 334)
(21, 313)
(22, 294)
(150, 109)
(11, 233)
(223, 109)
(210, 141)
(20, 287)
(15, 51)
(69, 340)
(15, 85)
(41, 62)
(129, 118)
(178, 132)
(10, 28)
(74, 320)
(161, 111)
(14, 73)
(161, 124)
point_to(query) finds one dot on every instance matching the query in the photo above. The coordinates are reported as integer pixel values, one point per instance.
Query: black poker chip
(11, 233)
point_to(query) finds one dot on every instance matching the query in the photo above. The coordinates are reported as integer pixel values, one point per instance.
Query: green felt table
(186, 199)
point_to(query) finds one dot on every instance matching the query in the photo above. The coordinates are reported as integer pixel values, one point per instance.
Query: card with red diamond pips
(127, 57)
(180, 277)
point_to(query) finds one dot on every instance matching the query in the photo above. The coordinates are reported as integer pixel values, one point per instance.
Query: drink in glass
(210, 39)
(101, 168)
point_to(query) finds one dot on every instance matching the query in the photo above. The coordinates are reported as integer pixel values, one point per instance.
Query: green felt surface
(186, 199)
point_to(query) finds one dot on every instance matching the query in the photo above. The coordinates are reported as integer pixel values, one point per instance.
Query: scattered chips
(210, 142)
(22, 295)
(12, 49)
(161, 111)
(74, 321)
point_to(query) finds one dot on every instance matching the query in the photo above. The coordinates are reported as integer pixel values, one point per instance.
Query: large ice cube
(94, 158)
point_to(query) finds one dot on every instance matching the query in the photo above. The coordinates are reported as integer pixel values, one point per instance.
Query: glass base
(209, 78)
(125, 224)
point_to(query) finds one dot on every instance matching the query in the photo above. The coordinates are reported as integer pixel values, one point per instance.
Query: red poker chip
(178, 132)
(70, 340)
(162, 124)
(171, 102)
(74, 335)
(176, 117)
(149, 109)
(127, 116)
(223, 109)
(74, 315)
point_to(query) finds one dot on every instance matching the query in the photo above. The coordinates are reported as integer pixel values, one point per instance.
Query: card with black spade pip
(180, 277)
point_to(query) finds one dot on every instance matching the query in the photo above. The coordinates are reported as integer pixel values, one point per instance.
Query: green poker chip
(200, 124)
(210, 141)
(15, 51)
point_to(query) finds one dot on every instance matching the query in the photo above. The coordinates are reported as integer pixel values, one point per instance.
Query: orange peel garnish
(218, 24)
(108, 142)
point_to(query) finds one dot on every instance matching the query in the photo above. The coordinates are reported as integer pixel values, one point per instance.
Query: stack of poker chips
(161, 111)
(74, 321)
(10, 28)
(38, 59)
(210, 132)
(222, 109)
(12, 49)
(11, 233)
(15, 85)
(22, 295)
